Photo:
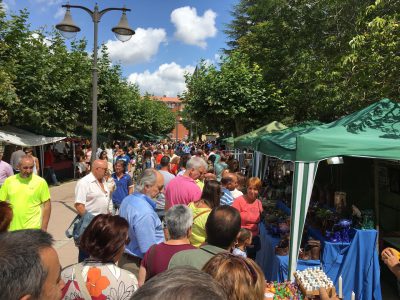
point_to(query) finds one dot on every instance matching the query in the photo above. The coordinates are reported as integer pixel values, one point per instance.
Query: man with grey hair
(29, 266)
(145, 227)
(179, 221)
(183, 189)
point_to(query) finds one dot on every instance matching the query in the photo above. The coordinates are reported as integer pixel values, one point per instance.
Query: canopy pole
(42, 160)
(73, 159)
(376, 193)
(303, 181)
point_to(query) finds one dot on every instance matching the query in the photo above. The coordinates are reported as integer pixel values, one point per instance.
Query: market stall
(16, 136)
(250, 139)
(372, 132)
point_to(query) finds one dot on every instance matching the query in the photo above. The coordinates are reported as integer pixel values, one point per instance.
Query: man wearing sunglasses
(92, 196)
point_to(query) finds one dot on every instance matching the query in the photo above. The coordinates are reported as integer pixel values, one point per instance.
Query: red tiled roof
(167, 99)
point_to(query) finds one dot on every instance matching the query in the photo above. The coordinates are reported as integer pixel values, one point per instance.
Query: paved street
(62, 213)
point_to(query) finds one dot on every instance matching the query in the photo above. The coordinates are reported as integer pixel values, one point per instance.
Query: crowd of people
(164, 221)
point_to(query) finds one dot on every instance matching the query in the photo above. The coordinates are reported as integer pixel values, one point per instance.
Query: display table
(357, 262)
(275, 267)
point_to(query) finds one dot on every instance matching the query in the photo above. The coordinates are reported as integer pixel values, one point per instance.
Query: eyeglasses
(250, 269)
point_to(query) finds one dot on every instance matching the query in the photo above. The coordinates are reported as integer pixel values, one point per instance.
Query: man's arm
(81, 209)
(81, 191)
(46, 214)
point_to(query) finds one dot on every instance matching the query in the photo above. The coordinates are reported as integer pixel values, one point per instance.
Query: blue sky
(171, 35)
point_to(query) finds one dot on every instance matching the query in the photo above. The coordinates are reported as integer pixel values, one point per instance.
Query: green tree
(233, 99)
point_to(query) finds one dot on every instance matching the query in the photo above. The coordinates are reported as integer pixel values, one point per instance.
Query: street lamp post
(122, 31)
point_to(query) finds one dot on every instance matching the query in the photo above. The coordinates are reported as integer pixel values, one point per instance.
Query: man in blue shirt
(145, 227)
(123, 185)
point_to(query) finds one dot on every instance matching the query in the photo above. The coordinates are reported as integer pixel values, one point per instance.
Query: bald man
(29, 197)
(91, 192)
(92, 195)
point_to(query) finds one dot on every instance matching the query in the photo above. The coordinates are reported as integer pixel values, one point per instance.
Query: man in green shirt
(29, 197)
(222, 228)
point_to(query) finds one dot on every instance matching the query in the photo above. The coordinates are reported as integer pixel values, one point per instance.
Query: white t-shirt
(89, 193)
(236, 193)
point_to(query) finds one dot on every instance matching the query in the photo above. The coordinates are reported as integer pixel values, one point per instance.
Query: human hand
(389, 258)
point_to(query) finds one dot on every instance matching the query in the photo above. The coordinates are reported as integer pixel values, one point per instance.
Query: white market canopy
(16, 136)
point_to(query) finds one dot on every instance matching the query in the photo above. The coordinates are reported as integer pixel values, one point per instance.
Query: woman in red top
(250, 209)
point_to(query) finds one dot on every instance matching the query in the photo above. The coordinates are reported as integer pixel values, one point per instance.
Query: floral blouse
(104, 281)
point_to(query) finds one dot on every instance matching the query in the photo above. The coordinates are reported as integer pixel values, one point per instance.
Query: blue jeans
(50, 171)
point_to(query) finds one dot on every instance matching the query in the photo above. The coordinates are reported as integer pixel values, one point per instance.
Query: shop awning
(251, 139)
(282, 144)
(16, 136)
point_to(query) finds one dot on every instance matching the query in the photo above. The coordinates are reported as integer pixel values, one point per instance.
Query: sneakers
(57, 183)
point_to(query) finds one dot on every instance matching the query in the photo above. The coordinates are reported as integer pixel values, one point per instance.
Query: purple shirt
(5, 171)
(181, 190)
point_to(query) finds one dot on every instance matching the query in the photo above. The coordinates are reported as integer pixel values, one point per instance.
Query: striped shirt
(227, 198)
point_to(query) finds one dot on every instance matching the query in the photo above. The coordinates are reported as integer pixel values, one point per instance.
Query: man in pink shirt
(5, 169)
(183, 189)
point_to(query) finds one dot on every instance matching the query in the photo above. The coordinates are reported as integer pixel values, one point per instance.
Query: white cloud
(4, 6)
(45, 40)
(140, 48)
(60, 13)
(191, 28)
(48, 2)
(168, 80)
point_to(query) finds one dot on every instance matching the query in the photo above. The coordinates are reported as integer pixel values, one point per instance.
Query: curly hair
(104, 237)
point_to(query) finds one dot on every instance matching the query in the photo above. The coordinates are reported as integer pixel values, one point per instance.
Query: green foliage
(155, 116)
(232, 99)
(328, 58)
(45, 86)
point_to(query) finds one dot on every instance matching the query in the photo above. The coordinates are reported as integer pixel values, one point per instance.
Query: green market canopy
(251, 139)
(371, 132)
(282, 144)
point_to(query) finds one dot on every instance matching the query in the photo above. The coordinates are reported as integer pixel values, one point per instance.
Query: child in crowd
(244, 239)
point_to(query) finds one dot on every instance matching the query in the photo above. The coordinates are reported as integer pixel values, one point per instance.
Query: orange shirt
(249, 212)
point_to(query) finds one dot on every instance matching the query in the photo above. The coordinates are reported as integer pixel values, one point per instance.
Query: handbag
(81, 283)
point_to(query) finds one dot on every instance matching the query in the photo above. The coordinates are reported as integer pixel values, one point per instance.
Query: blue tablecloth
(275, 267)
(357, 262)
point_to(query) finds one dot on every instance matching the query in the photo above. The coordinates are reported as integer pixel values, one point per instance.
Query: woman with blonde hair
(250, 209)
(241, 278)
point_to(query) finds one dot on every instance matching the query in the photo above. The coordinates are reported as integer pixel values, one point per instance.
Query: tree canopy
(46, 86)
(299, 61)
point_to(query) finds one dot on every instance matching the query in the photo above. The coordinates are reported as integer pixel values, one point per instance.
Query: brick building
(180, 132)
